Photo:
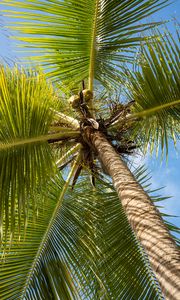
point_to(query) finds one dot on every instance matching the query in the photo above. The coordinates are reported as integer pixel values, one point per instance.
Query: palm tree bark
(143, 216)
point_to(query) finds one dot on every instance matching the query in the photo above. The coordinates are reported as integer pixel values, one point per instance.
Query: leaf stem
(70, 152)
(155, 109)
(145, 113)
(73, 123)
(41, 138)
(93, 51)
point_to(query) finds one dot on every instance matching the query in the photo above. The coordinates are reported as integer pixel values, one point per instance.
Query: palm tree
(68, 238)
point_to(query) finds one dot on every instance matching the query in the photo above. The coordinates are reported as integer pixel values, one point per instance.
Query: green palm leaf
(18, 259)
(122, 266)
(156, 90)
(55, 256)
(85, 40)
(24, 114)
(64, 266)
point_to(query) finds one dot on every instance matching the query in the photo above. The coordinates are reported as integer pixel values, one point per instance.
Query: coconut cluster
(75, 100)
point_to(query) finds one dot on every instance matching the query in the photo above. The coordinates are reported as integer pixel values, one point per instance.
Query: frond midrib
(93, 49)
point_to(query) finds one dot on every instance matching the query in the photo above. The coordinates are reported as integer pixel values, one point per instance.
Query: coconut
(74, 101)
(87, 94)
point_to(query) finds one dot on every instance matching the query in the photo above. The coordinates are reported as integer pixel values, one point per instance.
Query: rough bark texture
(143, 217)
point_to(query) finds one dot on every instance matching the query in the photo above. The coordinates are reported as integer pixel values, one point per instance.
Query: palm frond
(66, 158)
(88, 227)
(55, 256)
(17, 257)
(63, 134)
(84, 40)
(122, 266)
(156, 90)
(64, 119)
(24, 116)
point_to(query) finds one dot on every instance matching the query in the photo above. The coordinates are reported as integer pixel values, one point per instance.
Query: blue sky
(167, 175)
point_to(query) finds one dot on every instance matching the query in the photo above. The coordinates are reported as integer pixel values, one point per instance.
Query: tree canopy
(63, 231)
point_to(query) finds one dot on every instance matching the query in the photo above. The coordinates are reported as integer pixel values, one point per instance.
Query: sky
(163, 174)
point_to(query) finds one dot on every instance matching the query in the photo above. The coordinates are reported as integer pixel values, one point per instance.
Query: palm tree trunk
(144, 218)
